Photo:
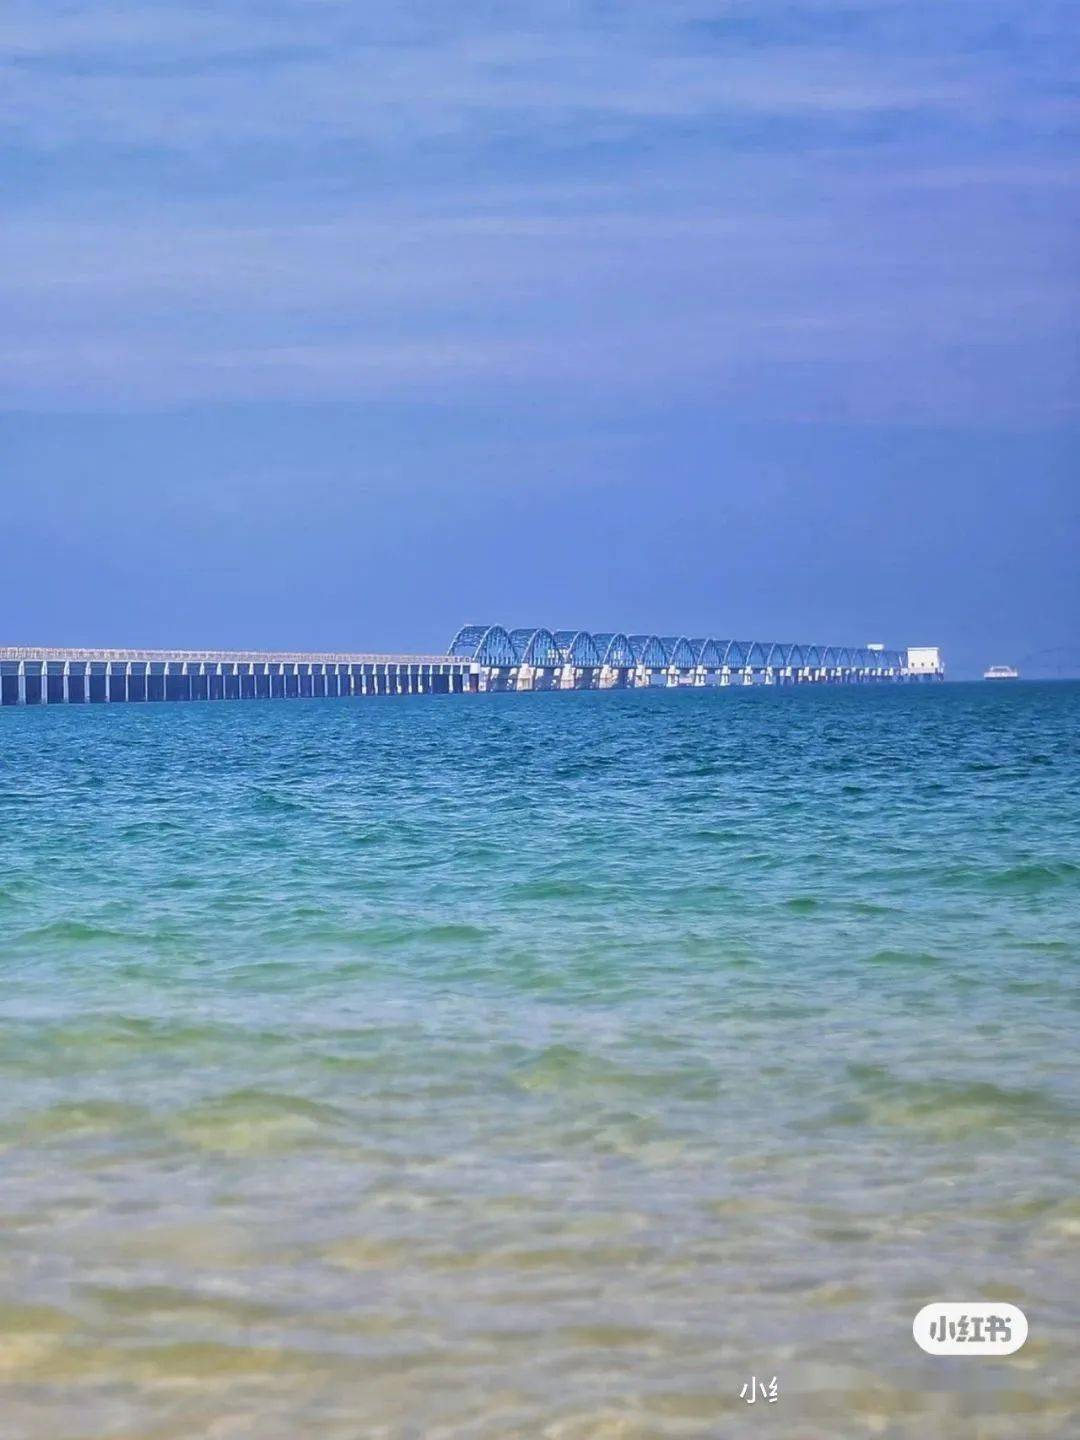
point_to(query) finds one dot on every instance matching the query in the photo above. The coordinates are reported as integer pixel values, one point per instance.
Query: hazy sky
(336, 324)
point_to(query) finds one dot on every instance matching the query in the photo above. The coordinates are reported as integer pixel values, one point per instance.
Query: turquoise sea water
(517, 1066)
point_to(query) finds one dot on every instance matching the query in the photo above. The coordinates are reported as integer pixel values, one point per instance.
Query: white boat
(1001, 672)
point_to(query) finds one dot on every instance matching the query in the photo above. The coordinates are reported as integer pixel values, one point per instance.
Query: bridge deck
(219, 657)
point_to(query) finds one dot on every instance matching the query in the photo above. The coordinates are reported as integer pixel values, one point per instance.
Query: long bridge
(480, 658)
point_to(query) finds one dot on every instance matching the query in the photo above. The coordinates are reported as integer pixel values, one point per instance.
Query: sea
(582, 1066)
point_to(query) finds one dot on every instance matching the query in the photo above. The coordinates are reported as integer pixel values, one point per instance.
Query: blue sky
(337, 324)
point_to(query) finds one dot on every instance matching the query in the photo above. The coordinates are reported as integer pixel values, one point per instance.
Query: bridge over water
(481, 657)
(529, 659)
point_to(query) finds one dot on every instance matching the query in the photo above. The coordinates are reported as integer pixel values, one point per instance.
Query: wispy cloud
(782, 205)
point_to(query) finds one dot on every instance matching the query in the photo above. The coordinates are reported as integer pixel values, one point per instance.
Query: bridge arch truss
(536, 648)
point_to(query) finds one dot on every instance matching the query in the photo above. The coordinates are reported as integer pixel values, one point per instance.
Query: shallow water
(515, 1066)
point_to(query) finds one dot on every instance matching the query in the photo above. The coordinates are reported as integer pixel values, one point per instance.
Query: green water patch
(102, 1042)
(135, 1304)
(552, 889)
(904, 959)
(948, 1108)
(73, 1119)
(569, 1070)
(1030, 879)
(252, 1121)
(73, 934)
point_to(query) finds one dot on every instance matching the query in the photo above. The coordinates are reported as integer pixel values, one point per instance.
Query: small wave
(948, 1108)
(270, 802)
(74, 932)
(917, 958)
(1024, 879)
(551, 890)
(1029, 879)
(139, 1301)
(254, 1120)
(71, 1118)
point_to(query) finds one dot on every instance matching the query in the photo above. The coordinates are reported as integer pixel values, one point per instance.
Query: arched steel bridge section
(577, 655)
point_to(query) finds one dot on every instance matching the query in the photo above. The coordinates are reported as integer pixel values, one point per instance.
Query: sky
(331, 325)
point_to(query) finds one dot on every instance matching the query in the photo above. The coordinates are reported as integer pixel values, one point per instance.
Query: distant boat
(1001, 672)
